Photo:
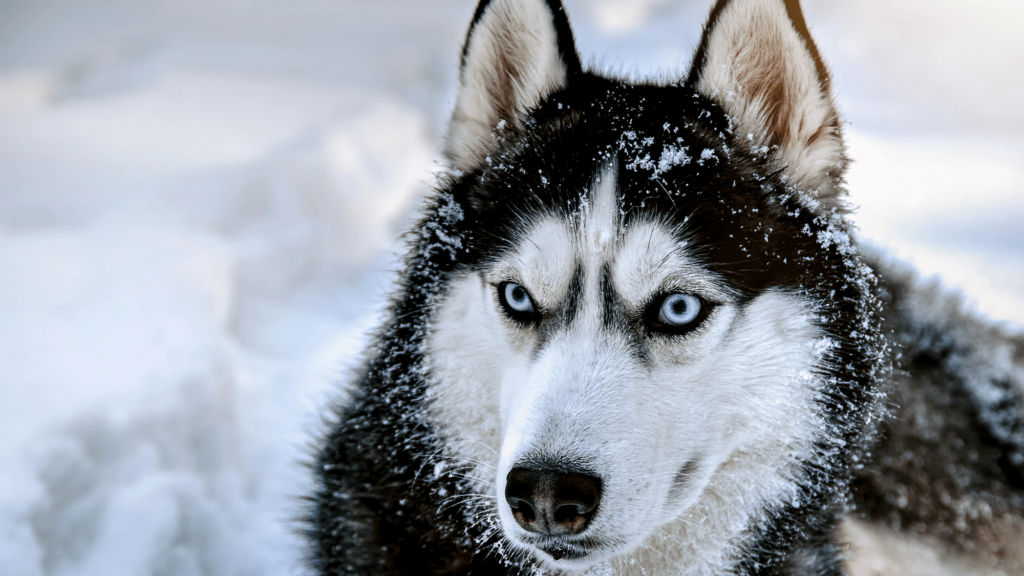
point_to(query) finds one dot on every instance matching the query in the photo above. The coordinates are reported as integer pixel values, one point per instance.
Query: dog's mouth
(564, 553)
(570, 551)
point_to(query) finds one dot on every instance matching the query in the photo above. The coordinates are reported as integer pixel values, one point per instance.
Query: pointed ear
(757, 60)
(517, 53)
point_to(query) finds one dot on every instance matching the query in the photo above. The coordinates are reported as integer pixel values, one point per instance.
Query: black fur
(390, 500)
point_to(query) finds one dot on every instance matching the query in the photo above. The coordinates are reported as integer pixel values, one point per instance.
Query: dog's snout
(552, 502)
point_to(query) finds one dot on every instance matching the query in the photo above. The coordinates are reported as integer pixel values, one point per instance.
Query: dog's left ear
(757, 60)
(517, 53)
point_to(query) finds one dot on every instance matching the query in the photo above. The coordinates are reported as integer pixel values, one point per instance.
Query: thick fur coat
(532, 339)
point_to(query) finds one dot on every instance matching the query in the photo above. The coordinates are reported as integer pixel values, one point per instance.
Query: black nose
(552, 502)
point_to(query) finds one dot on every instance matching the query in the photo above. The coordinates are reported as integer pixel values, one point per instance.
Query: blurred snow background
(199, 206)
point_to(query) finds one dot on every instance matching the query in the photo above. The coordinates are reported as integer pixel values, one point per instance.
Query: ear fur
(757, 60)
(517, 53)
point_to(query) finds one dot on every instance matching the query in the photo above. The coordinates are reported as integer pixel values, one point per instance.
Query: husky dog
(635, 335)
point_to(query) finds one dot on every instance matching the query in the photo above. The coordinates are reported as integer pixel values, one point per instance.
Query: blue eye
(679, 310)
(517, 302)
(517, 298)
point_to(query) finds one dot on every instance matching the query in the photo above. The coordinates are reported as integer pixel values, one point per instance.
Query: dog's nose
(552, 502)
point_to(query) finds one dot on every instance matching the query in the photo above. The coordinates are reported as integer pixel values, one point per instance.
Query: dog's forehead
(643, 257)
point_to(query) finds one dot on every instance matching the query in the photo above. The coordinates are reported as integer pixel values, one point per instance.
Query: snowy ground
(199, 204)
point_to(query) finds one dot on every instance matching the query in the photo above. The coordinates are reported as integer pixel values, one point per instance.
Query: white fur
(875, 550)
(737, 396)
(752, 47)
(600, 219)
(514, 41)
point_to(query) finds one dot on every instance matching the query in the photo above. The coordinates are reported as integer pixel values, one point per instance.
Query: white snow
(200, 204)
(707, 154)
(673, 156)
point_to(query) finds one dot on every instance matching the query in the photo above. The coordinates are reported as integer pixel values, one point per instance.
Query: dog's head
(641, 335)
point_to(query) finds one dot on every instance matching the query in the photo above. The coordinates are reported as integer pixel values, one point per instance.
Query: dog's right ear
(517, 53)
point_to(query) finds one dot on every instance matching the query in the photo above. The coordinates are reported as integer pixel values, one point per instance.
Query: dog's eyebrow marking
(543, 262)
(651, 259)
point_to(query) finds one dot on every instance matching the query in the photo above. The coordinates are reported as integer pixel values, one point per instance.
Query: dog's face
(635, 345)
(608, 375)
